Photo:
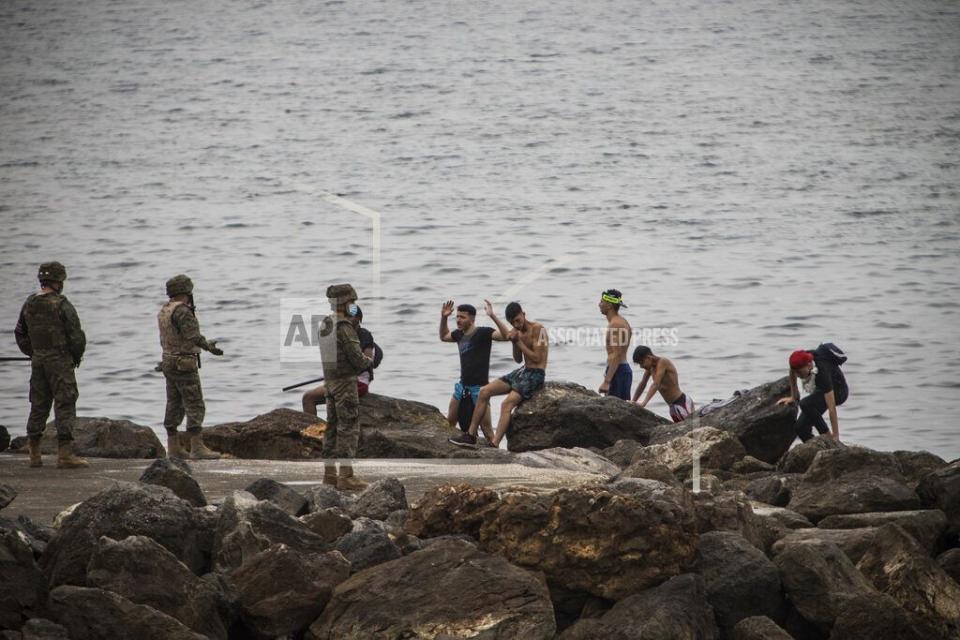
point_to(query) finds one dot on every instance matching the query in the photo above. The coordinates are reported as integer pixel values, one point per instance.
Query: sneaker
(464, 440)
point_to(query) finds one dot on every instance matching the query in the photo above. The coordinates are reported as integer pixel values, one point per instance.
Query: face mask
(352, 310)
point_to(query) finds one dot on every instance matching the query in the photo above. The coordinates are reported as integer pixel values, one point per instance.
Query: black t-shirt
(830, 378)
(366, 338)
(474, 355)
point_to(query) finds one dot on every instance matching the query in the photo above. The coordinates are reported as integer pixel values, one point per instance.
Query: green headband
(606, 297)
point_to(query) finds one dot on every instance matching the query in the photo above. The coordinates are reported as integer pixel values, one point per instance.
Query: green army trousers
(184, 398)
(342, 436)
(53, 383)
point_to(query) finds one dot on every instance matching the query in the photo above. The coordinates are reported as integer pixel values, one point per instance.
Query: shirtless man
(530, 346)
(617, 377)
(665, 380)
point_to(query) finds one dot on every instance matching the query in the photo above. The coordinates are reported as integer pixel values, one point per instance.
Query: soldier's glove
(215, 350)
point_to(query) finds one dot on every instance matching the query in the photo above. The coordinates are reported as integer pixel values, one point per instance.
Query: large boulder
(784, 517)
(645, 469)
(621, 452)
(452, 509)
(925, 525)
(729, 511)
(758, 628)
(564, 414)
(715, 449)
(764, 429)
(449, 590)
(143, 572)
(941, 490)
(175, 475)
(277, 435)
(949, 561)
(247, 526)
(324, 496)
(367, 544)
(380, 499)
(774, 490)
(281, 591)
(577, 459)
(678, 608)
(877, 616)
(120, 511)
(740, 580)
(329, 524)
(902, 569)
(23, 588)
(96, 614)
(853, 542)
(285, 497)
(819, 579)
(101, 438)
(43, 629)
(917, 464)
(593, 539)
(799, 458)
(852, 480)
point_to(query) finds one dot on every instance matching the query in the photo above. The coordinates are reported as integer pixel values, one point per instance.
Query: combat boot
(66, 459)
(346, 481)
(173, 445)
(199, 451)
(330, 474)
(34, 446)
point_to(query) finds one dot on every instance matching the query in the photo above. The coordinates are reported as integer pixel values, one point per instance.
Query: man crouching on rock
(530, 346)
(343, 361)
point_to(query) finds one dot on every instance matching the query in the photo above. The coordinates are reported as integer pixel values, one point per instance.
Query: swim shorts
(681, 408)
(525, 381)
(459, 389)
(621, 383)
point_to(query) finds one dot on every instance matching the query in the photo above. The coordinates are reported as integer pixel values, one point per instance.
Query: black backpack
(831, 353)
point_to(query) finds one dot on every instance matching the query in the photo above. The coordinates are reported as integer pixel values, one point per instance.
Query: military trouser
(184, 397)
(342, 435)
(53, 383)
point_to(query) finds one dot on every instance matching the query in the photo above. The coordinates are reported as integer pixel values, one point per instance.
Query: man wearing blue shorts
(474, 345)
(618, 376)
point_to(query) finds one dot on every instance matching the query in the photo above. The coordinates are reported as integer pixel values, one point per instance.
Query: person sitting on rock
(665, 380)
(474, 344)
(318, 395)
(530, 346)
(826, 387)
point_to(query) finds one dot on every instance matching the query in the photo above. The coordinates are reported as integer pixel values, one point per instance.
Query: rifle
(17, 359)
(300, 384)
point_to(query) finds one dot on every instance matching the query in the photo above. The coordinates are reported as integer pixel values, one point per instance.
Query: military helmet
(341, 293)
(178, 285)
(52, 271)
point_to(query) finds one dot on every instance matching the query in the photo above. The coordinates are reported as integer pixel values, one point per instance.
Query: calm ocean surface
(758, 175)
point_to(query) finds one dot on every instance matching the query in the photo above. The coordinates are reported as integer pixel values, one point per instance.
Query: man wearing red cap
(825, 385)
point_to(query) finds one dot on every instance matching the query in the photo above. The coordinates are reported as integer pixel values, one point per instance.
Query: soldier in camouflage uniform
(342, 362)
(181, 341)
(49, 331)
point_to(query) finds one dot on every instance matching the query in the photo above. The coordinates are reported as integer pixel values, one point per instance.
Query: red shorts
(362, 389)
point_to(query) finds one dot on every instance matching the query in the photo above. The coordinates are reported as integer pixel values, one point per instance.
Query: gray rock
(927, 526)
(785, 517)
(621, 452)
(22, 587)
(247, 526)
(901, 568)
(749, 464)
(379, 500)
(677, 608)
(330, 524)
(564, 414)
(281, 591)
(4, 438)
(853, 542)
(879, 617)
(916, 464)
(764, 429)
(126, 510)
(43, 629)
(949, 561)
(34, 536)
(447, 590)
(941, 490)
(740, 581)
(799, 458)
(646, 469)
(367, 544)
(773, 490)
(175, 475)
(758, 628)
(143, 572)
(7, 495)
(716, 449)
(451, 510)
(101, 438)
(728, 511)
(324, 496)
(279, 494)
(576, 459)
(277, 435)
(95, 614)
(819, 579)
(852, 480)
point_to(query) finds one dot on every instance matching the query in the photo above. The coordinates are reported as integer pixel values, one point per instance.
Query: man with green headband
(618, 377)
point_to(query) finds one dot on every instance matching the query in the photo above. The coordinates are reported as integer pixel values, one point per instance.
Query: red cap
(800, 358)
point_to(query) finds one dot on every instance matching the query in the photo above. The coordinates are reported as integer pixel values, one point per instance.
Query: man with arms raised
(665, 380)
(474, 344)
(530, 346)
(617, 377)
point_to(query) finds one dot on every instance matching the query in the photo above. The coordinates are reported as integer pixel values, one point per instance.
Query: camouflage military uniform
(343, 361)
(181, 341)
(49, 331)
